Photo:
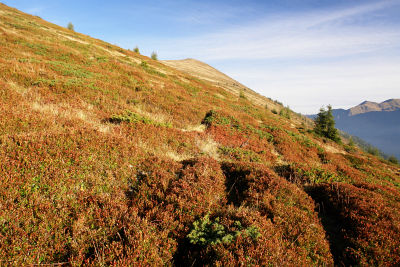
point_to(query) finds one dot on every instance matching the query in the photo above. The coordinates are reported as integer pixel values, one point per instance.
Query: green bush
(206, 232)
(285, 112)
(144, 64)
(136, 50)
(261, 134)
(351, 142)
(215, 118)
(252, 232)
(393, 160)
(242, 95)
(349, 149)
(131, 117)
(210, 232)
(70, 26)
(373, 151)
(239, 154)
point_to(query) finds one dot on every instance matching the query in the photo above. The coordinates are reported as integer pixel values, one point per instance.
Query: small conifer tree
(136, 50)
(351, 142)
(154, 56)
(70, 26)
(325, 124)
(393, 160)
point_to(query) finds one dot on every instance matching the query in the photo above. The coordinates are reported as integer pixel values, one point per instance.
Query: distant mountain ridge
(376, 123)
(368, 106)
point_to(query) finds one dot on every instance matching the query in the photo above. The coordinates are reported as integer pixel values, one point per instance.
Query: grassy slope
(109, 157)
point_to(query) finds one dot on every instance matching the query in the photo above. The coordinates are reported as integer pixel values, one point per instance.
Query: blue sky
(305, 53)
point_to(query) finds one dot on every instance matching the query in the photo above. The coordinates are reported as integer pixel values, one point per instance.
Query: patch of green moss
(67, 69)
(131, 117)
(215, 118)
(240, 154)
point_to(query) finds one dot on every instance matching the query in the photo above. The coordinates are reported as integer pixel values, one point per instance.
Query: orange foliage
(79, 188)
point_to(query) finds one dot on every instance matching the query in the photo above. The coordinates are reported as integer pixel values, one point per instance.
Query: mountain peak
(366, 102)
(369, 106)
(390, 100)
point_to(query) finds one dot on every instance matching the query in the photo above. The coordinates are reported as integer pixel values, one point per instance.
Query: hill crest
(208, 73)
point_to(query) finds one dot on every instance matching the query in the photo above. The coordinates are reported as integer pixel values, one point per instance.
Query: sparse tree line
(153, 55)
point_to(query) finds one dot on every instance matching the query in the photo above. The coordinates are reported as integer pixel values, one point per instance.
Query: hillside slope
(205, 72)
(110, 158)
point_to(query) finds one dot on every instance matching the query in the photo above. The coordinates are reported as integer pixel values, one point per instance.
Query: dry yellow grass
(209, 147)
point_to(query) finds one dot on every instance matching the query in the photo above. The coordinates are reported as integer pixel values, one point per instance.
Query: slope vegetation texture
(203, 71)
(110, 158)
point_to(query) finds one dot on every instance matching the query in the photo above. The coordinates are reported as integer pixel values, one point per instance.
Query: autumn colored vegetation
(108, 157)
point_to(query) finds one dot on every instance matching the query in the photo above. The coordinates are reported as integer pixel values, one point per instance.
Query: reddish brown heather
(110, 158)
(363, 221)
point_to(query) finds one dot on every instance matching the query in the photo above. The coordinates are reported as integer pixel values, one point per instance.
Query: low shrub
(285, 112)
(131, 117)
(393, 160)
(210, 232)
(213, 117)
(240, 154)
(70, 26)
(242, 95)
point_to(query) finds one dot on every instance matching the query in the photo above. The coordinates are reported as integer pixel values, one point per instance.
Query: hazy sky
(304, 53)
